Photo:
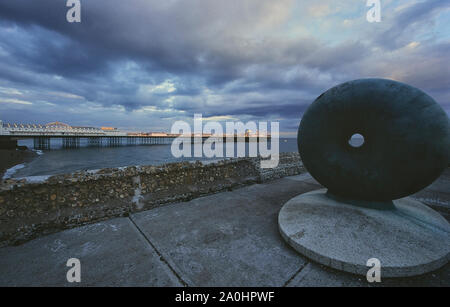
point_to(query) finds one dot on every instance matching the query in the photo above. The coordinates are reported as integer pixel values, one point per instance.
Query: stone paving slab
(112, 253)
(305, 177)
(227, 239)
(437, 194)
(317, 275)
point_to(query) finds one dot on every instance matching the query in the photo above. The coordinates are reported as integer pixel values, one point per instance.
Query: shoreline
(10, 158)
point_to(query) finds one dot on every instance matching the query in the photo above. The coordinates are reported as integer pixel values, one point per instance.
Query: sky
(141, 65)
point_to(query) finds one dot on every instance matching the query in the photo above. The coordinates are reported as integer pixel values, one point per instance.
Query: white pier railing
(53, 129)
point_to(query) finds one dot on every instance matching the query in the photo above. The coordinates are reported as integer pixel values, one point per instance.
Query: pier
(44, 136)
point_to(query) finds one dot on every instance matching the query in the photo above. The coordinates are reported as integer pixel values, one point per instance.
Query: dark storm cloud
(143, 61)
(291, 109)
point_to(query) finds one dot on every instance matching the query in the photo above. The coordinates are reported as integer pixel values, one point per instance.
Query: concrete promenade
(226, 239)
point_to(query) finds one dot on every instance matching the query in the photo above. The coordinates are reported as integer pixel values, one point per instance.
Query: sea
(61, 161)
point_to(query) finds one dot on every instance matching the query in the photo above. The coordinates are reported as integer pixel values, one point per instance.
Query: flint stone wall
(29, 209)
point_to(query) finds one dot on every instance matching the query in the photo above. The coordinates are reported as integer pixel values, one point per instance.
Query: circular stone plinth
(409, 240)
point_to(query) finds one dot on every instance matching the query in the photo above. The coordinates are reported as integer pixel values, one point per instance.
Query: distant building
(157, 134)
(55, 125)
(108, 128)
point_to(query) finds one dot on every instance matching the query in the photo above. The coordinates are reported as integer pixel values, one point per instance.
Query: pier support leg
(71, 142)
(94, 141)
(41, 143)
(114, 141)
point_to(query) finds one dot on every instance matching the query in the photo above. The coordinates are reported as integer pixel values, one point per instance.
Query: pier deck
(225, 239)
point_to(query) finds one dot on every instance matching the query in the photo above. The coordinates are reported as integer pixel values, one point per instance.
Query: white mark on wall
(137, 193)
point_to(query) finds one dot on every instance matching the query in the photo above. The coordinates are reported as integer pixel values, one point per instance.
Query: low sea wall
(35, 206)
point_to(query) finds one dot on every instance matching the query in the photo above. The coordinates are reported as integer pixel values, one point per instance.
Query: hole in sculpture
(356, 140)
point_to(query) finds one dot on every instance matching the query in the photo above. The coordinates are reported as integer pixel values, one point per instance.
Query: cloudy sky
(141, 64)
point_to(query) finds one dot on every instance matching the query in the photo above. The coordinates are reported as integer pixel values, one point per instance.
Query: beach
(10, 158)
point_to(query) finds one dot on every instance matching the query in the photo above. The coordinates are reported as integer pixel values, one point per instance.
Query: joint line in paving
(295, 274)
(161, 257)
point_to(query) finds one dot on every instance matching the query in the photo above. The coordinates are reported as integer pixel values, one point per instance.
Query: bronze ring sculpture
(406, 140)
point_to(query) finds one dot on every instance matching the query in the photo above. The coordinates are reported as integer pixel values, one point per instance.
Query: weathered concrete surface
(317, 275)
(112, 253)
(410, 239)
(305, 177)
(437, 195)
(229, 238)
